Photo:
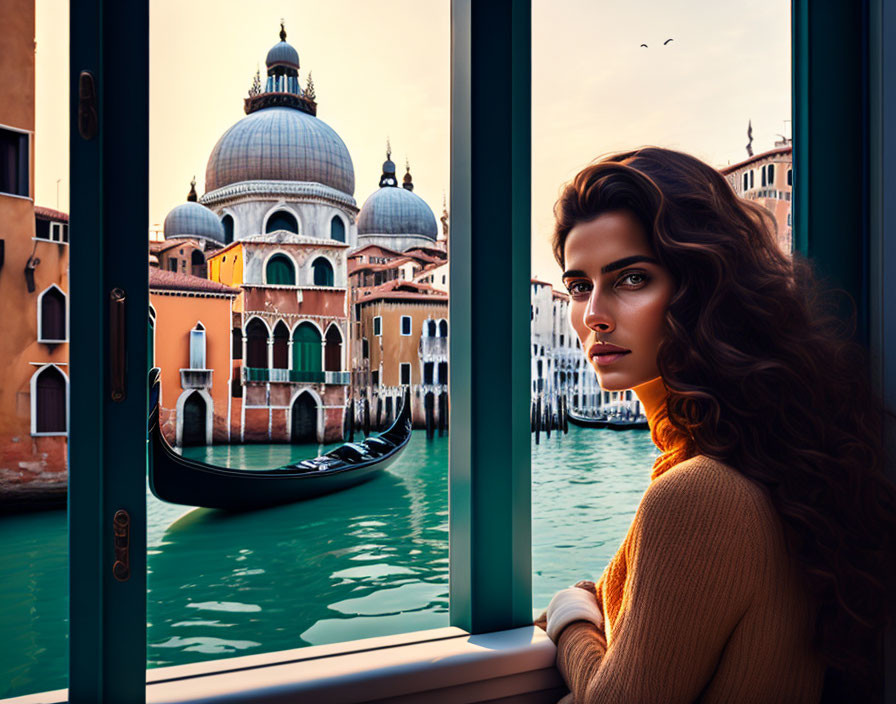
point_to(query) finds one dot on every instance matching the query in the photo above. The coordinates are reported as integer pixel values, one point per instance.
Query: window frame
(490, 518)
(377, 326)
(410, 326)
(401, 368)
(29, 150)
(40, 317)
(35, 433)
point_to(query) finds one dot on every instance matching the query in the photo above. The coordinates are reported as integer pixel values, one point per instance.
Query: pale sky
(383, 69)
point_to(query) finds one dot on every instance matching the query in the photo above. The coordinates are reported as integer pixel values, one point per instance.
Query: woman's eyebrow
(612, 266)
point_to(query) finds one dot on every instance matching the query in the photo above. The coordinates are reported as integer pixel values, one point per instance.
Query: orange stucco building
(33, 291)
(190, 343)
(767, 178)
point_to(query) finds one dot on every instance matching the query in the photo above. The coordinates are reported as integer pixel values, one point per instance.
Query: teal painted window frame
(490, 516)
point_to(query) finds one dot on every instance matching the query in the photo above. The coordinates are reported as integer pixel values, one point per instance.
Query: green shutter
(306, 349)
(280, 271)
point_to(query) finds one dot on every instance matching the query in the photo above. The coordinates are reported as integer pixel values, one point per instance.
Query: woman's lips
(605, 359)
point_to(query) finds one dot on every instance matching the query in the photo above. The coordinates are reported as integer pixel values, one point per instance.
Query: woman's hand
(586, 584)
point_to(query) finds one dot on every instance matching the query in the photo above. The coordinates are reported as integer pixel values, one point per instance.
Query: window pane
(689, 90)
(34, 351)
(305, 235)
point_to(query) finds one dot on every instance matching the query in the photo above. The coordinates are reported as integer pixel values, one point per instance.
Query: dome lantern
(388, 176)
(281, 87)
(408, 184)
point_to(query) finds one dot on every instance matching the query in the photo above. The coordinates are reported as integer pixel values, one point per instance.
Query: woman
(761, 565)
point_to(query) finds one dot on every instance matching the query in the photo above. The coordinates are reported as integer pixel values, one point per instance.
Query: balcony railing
(196, 378)
(294, 376)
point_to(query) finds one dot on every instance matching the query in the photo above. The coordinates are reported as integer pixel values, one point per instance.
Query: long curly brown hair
(763, 376)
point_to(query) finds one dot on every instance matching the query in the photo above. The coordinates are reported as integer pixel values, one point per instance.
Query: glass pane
(701, 78)
(279, 227)
(34, 346)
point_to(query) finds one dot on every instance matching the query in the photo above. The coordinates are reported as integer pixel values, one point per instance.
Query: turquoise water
(369, 561)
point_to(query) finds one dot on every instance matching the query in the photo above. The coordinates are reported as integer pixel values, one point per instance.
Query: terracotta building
(402, 339)
(767, 178)
(190, 342)
(33, 292)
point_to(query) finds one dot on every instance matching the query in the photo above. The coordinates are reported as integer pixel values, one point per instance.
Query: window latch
(121, 536)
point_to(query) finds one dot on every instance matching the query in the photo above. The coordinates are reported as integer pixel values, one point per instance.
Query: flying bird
(644, 45)
(666, 42)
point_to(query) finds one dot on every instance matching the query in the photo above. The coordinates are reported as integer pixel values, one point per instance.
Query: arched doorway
(304, 419)
(50, 404)
(333, 350)
(194, 415)
(306, 355)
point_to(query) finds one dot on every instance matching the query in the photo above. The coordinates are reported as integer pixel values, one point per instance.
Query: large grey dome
(396, 211)
(281, 144)
(193, 220)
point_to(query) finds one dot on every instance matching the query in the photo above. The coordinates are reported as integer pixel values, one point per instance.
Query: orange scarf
(673, 445)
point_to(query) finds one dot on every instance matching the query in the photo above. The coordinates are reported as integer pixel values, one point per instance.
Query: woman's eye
(634, 278)
(576, 288)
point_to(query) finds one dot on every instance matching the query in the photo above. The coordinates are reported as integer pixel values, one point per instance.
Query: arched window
(337, 229)
(323, 272)
(431, 328)
(281, 346)
(227, 222)
(443, 330)
(52, 325)
(197, 347)
(197, 263)
(280, 271)
(306, 348)
(256, 344)
(48, 405)
(282, 220)
(333, 350)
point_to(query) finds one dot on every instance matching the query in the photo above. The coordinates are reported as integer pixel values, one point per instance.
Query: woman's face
(618, 295)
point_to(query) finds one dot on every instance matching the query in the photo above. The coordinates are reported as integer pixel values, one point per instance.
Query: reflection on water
(369, 561)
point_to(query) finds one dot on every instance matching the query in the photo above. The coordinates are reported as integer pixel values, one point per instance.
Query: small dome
(283, 54)
(281, 144)
(193, 220)
(396, 211)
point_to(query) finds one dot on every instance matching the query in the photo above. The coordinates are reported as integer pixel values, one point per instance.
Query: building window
(256, 344)
(280, 271)
(197, 264)
(405, 325)
(431, 328)
(14, 162)
(227, 222)
(375, 378)
(337, 229)
(48, 402)
(378, 325)
(443, 328)
(428, 370)
(746, 180)
(306, 349)
(789, 177)
(752, 172)
(405, 373)
(52, 323)
(771, 174)
(281, 346)
(323, 272)
(172, 264)
(282, 220)
(197, 347)
(365, 348)
(236, 343)
(762, 174)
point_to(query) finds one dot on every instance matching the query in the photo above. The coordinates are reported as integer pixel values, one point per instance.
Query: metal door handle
(117, 347)
(121, 537)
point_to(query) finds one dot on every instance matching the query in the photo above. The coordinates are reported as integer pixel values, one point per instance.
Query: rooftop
(173, 281)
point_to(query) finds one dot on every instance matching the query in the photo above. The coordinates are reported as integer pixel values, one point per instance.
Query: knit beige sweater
(701, 602)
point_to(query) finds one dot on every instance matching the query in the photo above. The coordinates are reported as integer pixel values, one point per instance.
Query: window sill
(49, 241)
(13, 195)
(440, 665)
(52, 342)
(49, 435)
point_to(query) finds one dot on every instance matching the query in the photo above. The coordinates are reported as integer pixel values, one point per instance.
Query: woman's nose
(596, 315)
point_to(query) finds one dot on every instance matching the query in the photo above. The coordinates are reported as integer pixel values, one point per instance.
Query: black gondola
(627, 425)
(584, 422)
(604, 422)
(180, 480)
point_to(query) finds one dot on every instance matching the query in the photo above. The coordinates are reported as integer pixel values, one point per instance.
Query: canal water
(369, 561)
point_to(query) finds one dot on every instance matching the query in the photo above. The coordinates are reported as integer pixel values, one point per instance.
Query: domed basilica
(277, 222)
